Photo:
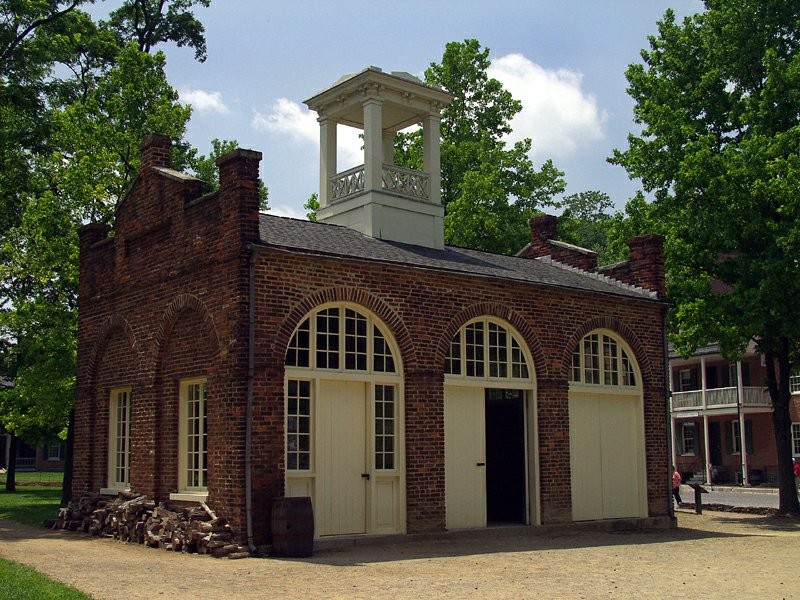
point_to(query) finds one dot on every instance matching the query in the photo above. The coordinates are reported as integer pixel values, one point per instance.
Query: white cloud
(556, 114)
(289, 119)
(203, 101)
(284, 210)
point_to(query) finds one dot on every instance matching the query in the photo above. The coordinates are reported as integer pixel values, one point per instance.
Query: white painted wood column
(742, 432)
(432, 162)
(373, 145)
(674, 442)
(707, 448)
(388, 147)
(327, 159)
(703, 380)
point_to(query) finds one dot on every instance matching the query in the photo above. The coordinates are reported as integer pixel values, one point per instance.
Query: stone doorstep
(498, 531)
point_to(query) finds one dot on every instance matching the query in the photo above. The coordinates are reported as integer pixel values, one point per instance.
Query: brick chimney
(543, 229)
(647, 262)
(238, 188)
(154, 151)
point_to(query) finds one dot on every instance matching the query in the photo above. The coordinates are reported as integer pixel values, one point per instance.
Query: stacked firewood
(135, 518)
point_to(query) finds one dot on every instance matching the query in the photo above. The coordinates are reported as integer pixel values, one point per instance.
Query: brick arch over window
(378, 307)
(622, 330)
(498, 311)
(179, 307)
(111, 326)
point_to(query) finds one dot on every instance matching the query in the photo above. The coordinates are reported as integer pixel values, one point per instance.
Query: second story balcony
(727, 397)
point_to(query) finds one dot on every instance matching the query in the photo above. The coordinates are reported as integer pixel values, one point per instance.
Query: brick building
(405, 386)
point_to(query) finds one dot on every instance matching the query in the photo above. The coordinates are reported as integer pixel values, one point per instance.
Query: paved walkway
(714, 555)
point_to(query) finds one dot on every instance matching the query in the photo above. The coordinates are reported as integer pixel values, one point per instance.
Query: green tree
(205, 168)
(489, 190)
(312, 206)
(586, 221)
(718, 99)
(76, 98)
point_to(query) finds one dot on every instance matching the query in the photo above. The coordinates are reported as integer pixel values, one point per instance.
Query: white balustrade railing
(687, 400)
(721, 397)
(406, 182)
(347, 182)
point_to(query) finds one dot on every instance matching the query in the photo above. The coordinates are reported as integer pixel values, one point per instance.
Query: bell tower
(379, 198)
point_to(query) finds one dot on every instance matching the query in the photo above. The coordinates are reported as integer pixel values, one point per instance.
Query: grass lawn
(22, 583)
(33, 502)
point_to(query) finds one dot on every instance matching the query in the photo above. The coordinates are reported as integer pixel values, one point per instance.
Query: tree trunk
(11, 473)
(778, 385)
(66, 486)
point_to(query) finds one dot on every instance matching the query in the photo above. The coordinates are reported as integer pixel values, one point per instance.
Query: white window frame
(599, 371)
(736, 437)
(794, 383)
(119, 440)
(503, 355)
(796, 439)
(187, 489)
(685, 380)
(688, 450)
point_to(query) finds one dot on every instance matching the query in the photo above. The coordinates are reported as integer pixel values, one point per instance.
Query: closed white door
(606, 457)
(341, 457)
(465, 457)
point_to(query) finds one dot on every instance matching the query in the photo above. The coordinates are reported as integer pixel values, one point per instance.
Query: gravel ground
(714, 555)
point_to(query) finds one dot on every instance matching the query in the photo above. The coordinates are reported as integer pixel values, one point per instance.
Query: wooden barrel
(292, 527)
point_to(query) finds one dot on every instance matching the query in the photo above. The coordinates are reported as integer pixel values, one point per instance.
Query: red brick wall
(176, 275)
(423, 310)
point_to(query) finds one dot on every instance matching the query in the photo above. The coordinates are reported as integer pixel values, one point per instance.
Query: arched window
(339, 338)
(599, 359)
(486, 349)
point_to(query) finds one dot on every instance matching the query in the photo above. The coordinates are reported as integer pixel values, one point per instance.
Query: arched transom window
(486, 349)
(599, 359)
(340, 338)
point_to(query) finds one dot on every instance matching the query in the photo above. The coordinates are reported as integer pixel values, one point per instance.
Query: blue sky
(565, 60)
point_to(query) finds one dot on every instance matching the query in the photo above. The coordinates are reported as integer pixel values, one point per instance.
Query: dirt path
(714, 555)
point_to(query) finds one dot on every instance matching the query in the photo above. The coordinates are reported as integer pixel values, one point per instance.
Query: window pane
(297, 353)
(298, 425)
(610, 362)
(452, 362)
(474, 346)
(384, 426)
(328, 338)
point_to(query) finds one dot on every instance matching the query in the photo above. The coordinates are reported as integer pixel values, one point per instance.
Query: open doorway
(505, 456)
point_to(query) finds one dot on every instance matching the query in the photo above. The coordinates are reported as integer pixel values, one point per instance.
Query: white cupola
(378, 198)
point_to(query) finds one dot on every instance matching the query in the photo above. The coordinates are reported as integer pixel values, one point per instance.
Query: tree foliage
(205, 168)
(76, 99)
(718, 99)
(489, 189)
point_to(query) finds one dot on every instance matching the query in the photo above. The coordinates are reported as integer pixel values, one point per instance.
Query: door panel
(620, 458)
(341, 457)
(585, 460)
(605, 457)
(465, 457)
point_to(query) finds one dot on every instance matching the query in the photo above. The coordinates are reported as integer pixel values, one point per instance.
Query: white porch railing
(406, 182)
(753, 397)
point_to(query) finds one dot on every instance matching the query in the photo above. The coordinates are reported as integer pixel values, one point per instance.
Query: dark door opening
(505, 456)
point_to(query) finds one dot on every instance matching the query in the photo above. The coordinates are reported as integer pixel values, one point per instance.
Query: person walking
(676, 485)
(796, 468)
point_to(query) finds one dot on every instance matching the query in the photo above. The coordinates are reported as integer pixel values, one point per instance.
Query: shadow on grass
(30, 504)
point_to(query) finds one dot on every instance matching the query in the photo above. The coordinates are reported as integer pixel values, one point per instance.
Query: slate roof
(336, 241)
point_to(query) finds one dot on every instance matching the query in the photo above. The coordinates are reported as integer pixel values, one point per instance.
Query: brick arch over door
(180, 306)
(115, 362)
(186, 346)
(388, 317)
(498, 311)
(618, 327)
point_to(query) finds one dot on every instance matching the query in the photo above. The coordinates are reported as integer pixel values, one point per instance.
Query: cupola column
(373, 144)
(432, 155)
(327, 158)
